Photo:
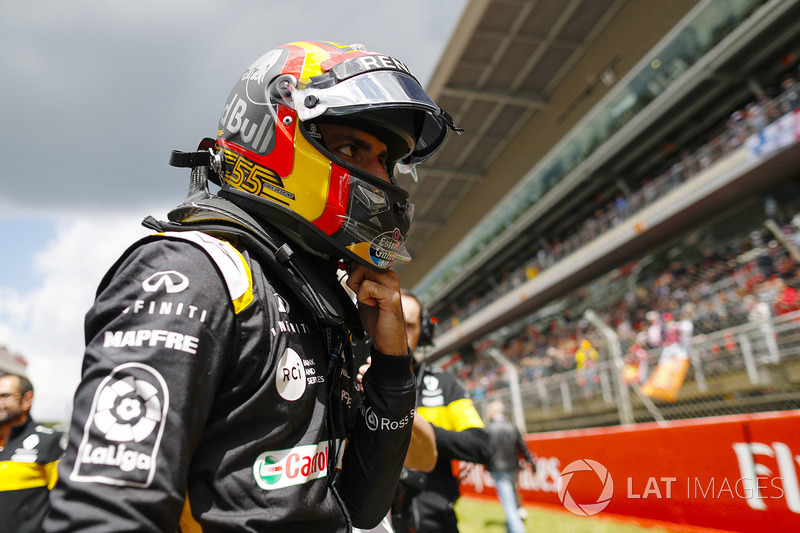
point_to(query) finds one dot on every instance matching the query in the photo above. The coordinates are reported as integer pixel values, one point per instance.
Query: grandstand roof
(517, 75)
(522, 77)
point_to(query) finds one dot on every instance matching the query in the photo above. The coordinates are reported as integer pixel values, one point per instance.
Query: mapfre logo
(172, 281)
(123, 431)
(284, 468)
(591, 468)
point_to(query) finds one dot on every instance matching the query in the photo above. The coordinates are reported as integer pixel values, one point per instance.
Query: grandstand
(12, 362)
(621, 158)
(613, 247)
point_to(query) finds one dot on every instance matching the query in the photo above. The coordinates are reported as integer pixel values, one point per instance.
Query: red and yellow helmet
(275, 163)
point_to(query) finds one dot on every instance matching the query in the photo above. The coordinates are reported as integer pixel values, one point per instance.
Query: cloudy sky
(94, 95)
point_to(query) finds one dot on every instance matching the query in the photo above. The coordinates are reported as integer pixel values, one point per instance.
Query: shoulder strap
(231, 263)
(218, 217)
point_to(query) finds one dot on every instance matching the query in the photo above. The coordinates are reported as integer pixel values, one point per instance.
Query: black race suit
(28, 464)
(460, 436)
(204, 404)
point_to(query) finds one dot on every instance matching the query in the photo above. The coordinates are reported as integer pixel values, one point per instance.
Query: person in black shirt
(29, 454)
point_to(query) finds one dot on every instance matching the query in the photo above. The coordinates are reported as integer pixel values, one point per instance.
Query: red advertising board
(737, 473)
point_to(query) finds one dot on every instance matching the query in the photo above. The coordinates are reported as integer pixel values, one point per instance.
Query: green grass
(484, 516)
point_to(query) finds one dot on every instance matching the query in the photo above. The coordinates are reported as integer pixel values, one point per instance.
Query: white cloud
(45, 322)
(96, 105)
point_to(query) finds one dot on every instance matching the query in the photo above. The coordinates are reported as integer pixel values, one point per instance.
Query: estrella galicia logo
(172, 281)
(383, 249)
(124, 428)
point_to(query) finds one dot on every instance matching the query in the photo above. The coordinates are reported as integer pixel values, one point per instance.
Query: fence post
(699, 376)
(543, 395)
(749, 360)
(566, 399)
(605, 387)
(513, 384)
(765, 324)
(614, 348)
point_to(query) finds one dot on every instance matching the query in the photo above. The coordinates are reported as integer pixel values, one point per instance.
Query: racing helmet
(272, 159)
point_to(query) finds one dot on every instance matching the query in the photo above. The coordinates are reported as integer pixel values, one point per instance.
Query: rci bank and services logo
(585, 467)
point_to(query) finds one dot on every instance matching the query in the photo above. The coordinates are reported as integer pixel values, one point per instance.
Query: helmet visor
(379, 90)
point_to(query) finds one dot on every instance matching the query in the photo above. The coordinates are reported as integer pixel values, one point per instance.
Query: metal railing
(751, 367)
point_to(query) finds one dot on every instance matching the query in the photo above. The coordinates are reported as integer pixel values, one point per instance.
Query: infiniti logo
(172, 280)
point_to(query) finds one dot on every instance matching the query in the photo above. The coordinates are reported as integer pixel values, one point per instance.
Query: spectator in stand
(636, 370)
(504, 464)
(29, 455)
(654, 329)
(585, 363)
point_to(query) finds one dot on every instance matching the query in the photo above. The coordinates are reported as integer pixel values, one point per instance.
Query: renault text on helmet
(274, 159)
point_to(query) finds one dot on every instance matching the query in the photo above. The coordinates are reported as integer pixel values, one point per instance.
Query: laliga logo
(586, 509)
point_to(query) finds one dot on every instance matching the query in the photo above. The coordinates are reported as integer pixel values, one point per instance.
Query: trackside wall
(736, 473)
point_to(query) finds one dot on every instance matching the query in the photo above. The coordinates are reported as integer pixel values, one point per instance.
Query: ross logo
(585, 509)
(123, 431)
(284, 468)
(172, 280)
(290, 379)
(371, 419)
(375, 422)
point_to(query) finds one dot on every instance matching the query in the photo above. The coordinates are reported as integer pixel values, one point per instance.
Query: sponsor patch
(432, 395)
(379, 248)
(379, 423)
(166, 308)
(284, 468)
(151, 337)
(290, 379)
(172, 281)
(283, 305)
(123, 431)
(367, 63)
(28, 453)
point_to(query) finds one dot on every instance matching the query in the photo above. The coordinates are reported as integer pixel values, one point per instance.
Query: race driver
(218, 388)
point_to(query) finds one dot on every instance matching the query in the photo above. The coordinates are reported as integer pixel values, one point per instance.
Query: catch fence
(753, 366)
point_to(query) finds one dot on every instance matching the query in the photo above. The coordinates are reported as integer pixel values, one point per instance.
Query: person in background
(504, 464)
(422, 454)
(218, 388)
(29, 455)
(586, 367)
(424, 502)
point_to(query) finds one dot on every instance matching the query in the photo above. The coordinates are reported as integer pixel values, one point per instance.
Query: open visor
(376, 91)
